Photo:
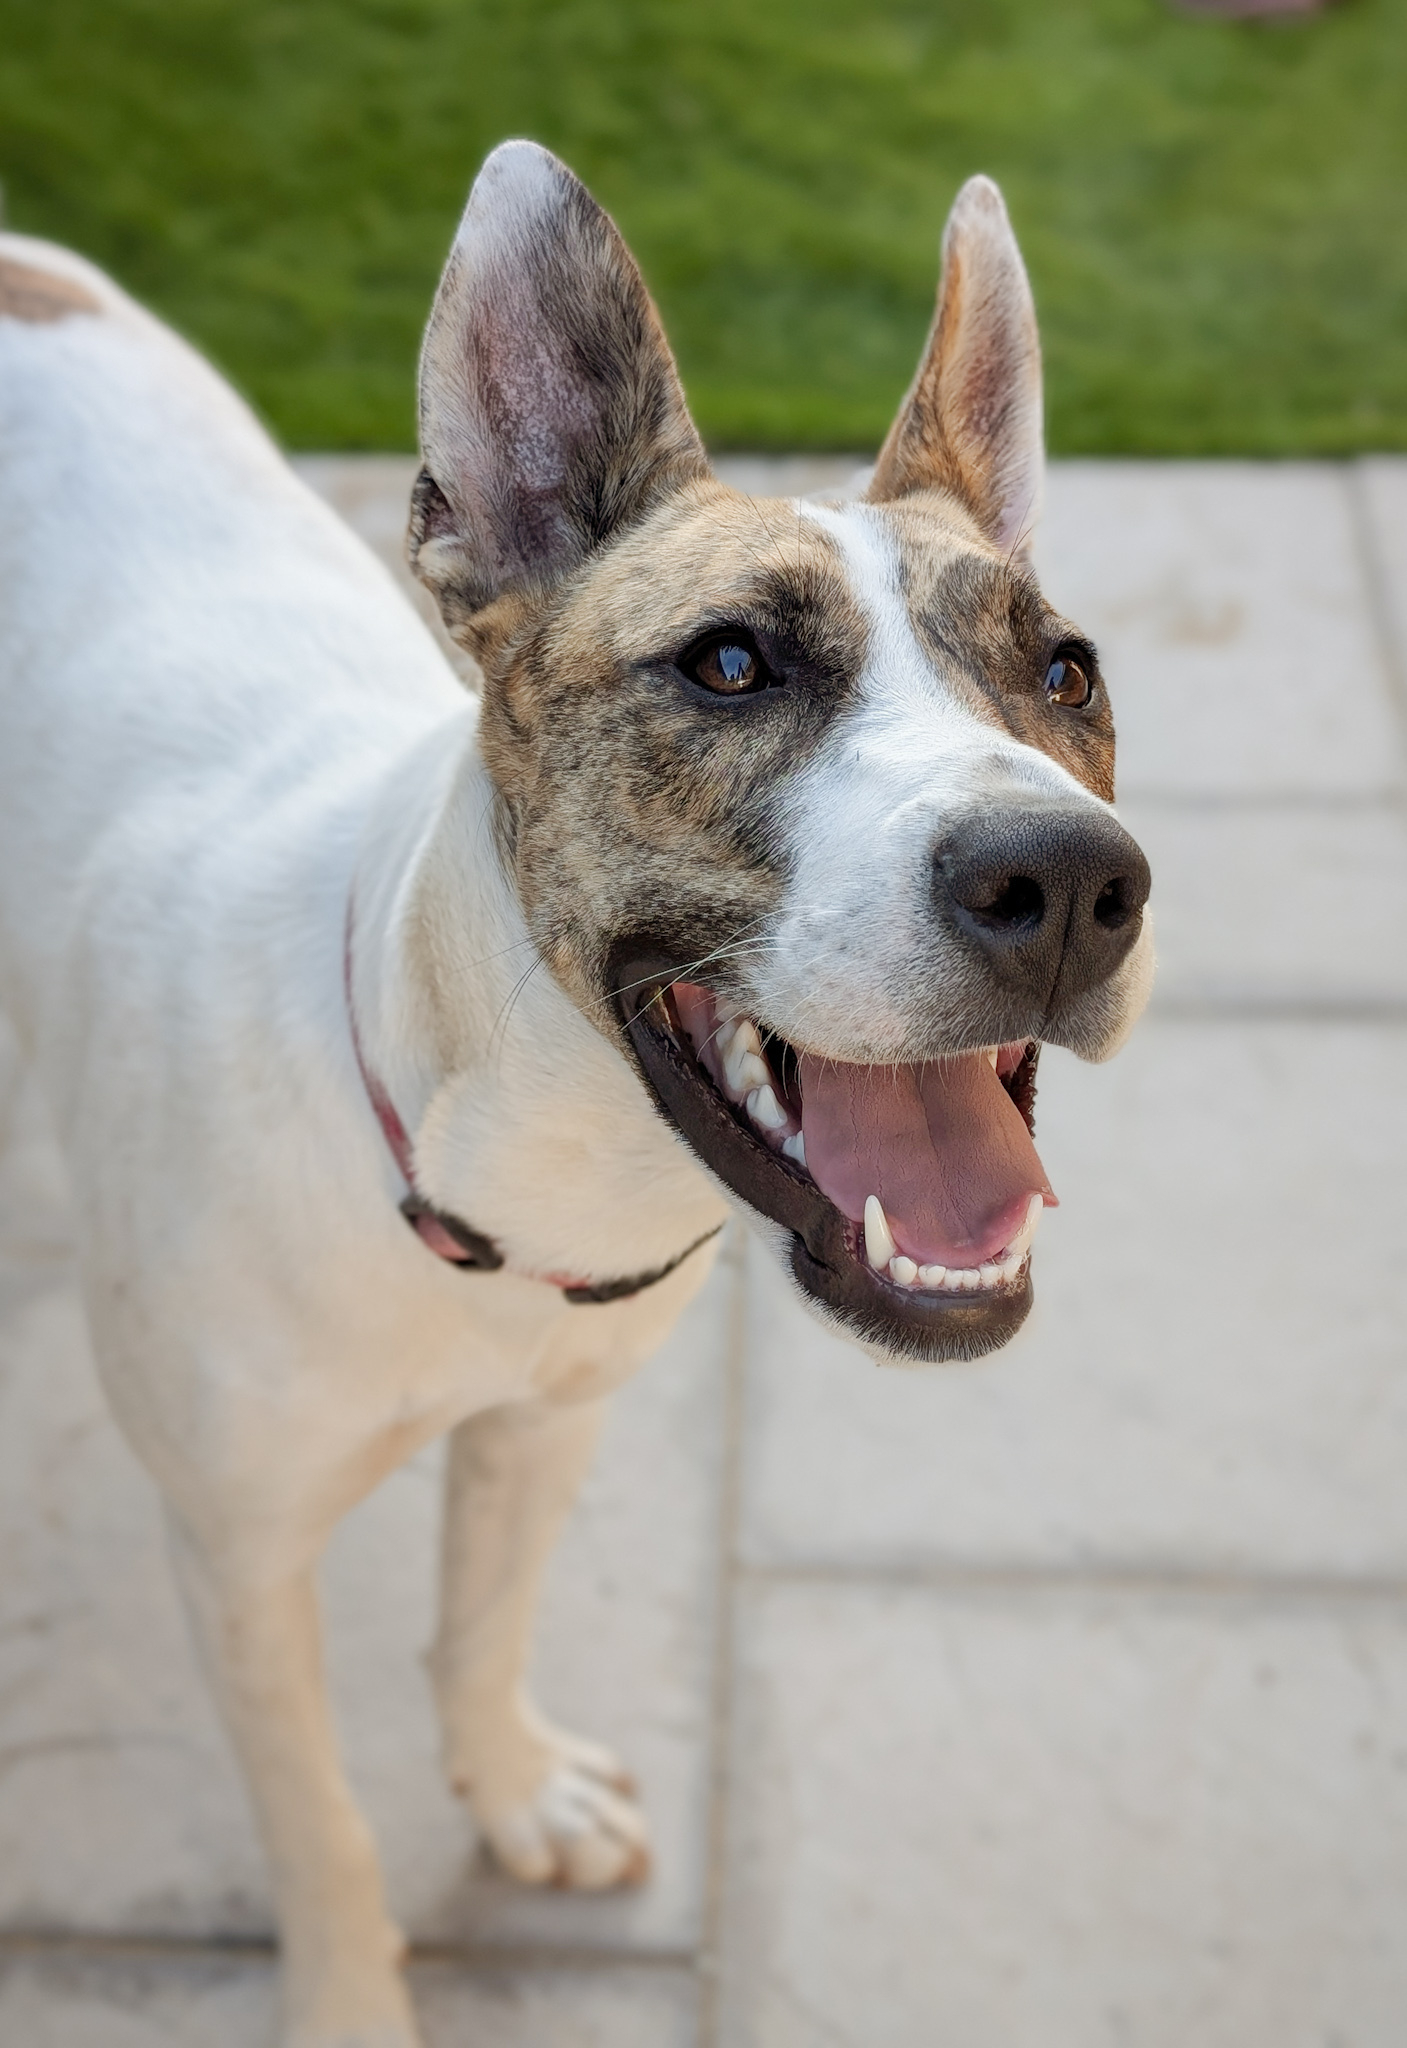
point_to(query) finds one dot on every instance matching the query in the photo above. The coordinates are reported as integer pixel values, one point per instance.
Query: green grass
(1214, 213)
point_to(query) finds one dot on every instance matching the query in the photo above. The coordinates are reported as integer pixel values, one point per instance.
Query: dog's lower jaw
(823, 1251)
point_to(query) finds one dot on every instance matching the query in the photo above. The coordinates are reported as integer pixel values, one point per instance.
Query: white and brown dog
(778, 841)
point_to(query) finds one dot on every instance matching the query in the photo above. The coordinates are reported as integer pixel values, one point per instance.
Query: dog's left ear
(551, 414)
(971, 423)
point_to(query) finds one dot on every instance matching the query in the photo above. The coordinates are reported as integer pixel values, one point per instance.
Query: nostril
(1018, 900)
(1116, 903)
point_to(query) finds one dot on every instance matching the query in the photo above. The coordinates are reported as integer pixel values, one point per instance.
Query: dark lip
(827, 1257)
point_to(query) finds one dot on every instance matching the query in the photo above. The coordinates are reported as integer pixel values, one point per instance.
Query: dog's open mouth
(912, 1192)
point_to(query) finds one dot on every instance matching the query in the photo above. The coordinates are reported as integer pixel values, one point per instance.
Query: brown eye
(1067, 684)
(729, 665)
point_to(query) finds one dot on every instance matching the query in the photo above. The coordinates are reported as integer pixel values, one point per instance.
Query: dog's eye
(1067, 684)
(729, 665)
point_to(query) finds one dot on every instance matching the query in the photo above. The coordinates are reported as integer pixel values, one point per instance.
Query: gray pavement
(1059, 1702)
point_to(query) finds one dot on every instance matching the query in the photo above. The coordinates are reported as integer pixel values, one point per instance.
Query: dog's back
(186, 633)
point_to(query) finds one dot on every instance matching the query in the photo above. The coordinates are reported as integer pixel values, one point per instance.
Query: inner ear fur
(551, 413)
(971, 423)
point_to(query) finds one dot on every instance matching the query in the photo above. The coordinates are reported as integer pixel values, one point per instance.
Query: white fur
(863, 820)
(220, 721)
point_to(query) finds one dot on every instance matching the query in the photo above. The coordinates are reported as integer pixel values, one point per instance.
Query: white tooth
(966, 1277)
(764, 1109)
(1021, 1243)
(989, 1274)
(932, 1276)
(1011, 1266)
(739, 1047)
(879, 1240)
(794, 1147)
(747, 1073)
(902, 1270)
(992, 1056)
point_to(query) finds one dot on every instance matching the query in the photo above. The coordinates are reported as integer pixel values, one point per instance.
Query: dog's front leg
(260, 1639)
(554, 1808)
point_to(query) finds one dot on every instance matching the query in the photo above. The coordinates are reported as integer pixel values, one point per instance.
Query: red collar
(449, 1237)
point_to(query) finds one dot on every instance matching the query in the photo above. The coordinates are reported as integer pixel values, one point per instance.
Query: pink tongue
(943, 1146)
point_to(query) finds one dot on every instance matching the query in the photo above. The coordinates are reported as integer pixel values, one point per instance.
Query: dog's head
(808, 807)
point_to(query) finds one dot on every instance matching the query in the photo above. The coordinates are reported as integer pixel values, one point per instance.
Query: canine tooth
(903, 1270)
(764, 1108)
(794, 1148)
(879, 1240)
(932, 1276)
(989, 1274)
(991, 1056)
(1021, 1243)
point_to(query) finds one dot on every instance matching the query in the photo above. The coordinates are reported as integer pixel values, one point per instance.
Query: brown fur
(633, 804)
(990, 632)
(41, 296)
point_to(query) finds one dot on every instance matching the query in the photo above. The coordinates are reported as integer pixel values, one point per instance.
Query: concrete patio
(1059, 1702)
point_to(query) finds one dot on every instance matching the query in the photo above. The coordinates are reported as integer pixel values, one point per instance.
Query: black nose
(1051, 893)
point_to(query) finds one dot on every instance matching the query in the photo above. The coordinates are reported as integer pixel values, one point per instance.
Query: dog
(409, 1048)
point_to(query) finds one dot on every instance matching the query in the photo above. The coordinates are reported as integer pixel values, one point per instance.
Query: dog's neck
(524, 1120)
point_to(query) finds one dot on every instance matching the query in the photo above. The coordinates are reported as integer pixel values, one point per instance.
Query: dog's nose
(1052, 894)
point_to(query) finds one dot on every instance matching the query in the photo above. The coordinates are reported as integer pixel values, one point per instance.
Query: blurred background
(1211, 209)
(1059, 1702)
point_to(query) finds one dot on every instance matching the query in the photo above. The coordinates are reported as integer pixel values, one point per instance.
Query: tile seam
(79, 1943)
(1255, 1007)
(1388, 1589)
(721, 1704)
(1293, 802)
(1364, 528)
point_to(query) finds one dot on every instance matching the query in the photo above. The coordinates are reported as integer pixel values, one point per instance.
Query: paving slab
(1084, 1820)
(1379, 486)
(120, 1810)
(1300, 906)
(1232, 609)
(72, 1999)
(1212, 1378)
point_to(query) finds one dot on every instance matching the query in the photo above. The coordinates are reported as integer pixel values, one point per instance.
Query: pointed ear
(971, 423)
(551, 413)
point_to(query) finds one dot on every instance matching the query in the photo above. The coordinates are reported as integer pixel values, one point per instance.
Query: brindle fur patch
(41, 296)
(981, 619)
(636, 803)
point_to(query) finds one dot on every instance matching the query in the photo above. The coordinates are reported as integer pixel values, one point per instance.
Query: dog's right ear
(551, 414)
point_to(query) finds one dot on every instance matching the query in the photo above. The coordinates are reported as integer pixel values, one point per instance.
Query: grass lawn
(1214, 213)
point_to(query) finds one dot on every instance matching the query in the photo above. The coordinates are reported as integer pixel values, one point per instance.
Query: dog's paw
(582, 1828)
